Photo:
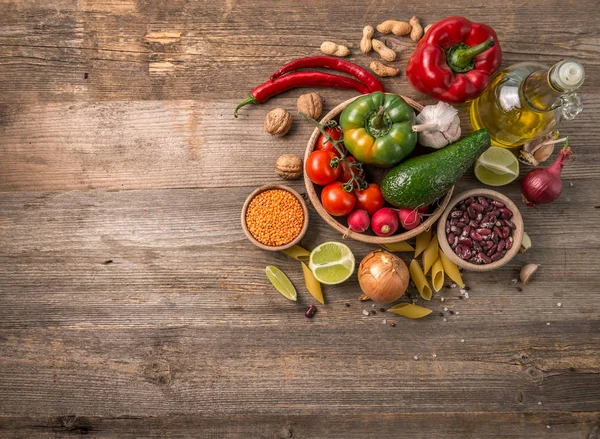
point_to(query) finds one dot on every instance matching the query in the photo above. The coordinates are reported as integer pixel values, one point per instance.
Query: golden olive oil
(526, 101)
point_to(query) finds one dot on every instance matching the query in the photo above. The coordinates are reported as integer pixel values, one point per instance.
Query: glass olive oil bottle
(528, 100)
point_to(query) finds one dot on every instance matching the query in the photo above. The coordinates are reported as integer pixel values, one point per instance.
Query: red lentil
(274, 217)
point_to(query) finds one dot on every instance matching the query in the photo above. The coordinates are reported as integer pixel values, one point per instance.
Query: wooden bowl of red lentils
(274, 217)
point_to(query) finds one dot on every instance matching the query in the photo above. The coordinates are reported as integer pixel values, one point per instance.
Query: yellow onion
(383, 276)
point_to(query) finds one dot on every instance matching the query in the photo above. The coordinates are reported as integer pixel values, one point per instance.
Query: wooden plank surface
(132, 306)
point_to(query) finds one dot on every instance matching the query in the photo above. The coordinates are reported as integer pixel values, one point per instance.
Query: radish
(385, 222)
(359, 220)
(409, 218)
(424, 209)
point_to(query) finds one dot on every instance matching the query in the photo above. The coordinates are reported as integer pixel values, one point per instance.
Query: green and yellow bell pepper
(378, 129)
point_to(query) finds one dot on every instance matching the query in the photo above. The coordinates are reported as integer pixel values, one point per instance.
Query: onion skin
(383, 276)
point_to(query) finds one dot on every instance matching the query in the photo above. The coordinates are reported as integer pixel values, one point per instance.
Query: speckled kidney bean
(478, 218)
(483, 201)
(484, 231)
(471, 212)
(510, 224)
(450, 238)
(467, 229)
(475, 236)
(497, 230)
(497, 256)
(497, 203)
(492, 250)
(495, 238)
(472, 223)
(509, 243)
(505, 213)
(466, 242)
(488, 245)
(505, 232)
(453, 221)
(455, 230)
(456, 214)
(459, 250)
(460, 225)
(501, 245)
(469, 201)
(484, 257)
(477, 207)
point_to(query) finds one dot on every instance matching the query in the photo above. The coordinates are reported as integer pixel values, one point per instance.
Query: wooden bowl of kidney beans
(480, 230)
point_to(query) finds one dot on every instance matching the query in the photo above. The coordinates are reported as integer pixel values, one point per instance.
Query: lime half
(332, 263)
(497, 167)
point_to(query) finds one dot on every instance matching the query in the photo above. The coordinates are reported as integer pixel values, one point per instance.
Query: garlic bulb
(438, 125)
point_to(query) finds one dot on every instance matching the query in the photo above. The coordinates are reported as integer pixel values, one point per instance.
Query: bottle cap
(568, 75)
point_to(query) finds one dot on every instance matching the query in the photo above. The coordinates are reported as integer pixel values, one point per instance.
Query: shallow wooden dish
(266, 188)
(342, 227)
(517, 233)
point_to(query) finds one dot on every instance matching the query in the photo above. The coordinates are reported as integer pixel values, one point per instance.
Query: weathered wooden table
(132, 306)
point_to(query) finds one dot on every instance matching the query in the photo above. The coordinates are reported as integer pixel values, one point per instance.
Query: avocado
(421, 180)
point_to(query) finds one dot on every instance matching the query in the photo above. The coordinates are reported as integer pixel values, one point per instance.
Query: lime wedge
(497, 167)
(281, 282)
(332, 263)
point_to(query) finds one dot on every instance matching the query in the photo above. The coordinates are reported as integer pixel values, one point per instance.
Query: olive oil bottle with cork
(528, 100)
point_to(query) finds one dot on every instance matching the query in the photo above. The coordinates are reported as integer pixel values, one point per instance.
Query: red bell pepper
(455, 60)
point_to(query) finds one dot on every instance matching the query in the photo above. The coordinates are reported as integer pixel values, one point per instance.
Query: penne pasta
(430, 254)
(297, 252)
(312, 284)
(437, 275)
(397, 247)
(410, 311)
(418, 277)
(451, 269)
(422, 242)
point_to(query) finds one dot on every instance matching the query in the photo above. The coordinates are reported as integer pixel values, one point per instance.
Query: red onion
(543, 185)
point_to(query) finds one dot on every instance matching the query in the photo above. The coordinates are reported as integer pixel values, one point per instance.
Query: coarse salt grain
(547, 323)
(445, 309)
(514, 281)
(445, 319)
(365, 312)
(462, 340)
(466, 295)
(456, 312)
(559, 304)
(434, 355)
(442, 299)
(384, 321)
(453, 286)
(416, 357)
(547, 426)
(539, 402)
(463, 291)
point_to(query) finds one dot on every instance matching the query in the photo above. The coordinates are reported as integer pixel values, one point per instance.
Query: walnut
(311, 105)
(289, 167)
(278, 122)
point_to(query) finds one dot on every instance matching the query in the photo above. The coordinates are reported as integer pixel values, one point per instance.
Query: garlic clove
(534, 144)
(527, 271)
(543, 152)
(527, 158)
(525, 243)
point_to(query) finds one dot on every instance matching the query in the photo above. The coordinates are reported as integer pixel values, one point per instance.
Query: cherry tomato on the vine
(336, 200)
(318, 168)
(324, 144)
(346, 173)
(369, 199)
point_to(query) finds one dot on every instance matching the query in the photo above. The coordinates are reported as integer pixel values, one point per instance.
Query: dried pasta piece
(312, 284)
(297, 252)
(430, 254)
(422, 242)
(410, 311)
(451, 269)
(437, 275)
(397, 247)
(418, 277)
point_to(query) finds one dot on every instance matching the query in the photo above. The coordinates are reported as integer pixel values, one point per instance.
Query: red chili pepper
(300, 79)
(455, 60)
(330, 62)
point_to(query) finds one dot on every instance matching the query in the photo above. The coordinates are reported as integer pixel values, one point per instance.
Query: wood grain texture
(131, 305)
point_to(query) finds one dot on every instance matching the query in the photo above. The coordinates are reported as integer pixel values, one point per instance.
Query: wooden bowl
(264, 188)
(341, 227)
(517, 234)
